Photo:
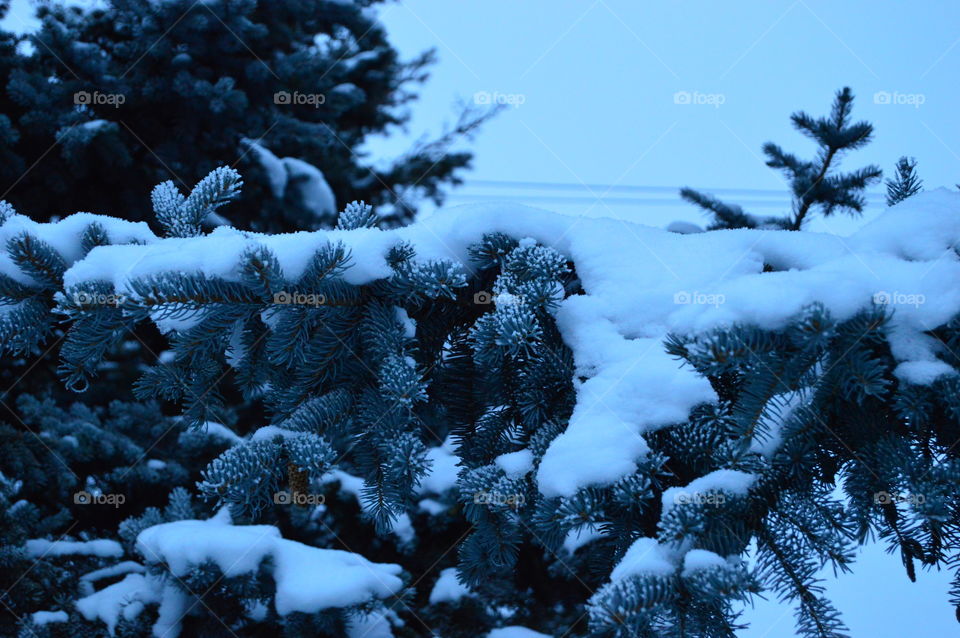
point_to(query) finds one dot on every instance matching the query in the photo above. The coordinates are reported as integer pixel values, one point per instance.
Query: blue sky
(595, 86)
(597, 81)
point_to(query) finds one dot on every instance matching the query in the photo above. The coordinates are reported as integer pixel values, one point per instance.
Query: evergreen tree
(107, 100)
(115, 99)
(815, 184)
(363, 382)
(905, 183)
(77, 473)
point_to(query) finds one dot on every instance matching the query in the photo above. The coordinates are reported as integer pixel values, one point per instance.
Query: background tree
(905, 181)
(816, 184)
(116, 99)
(104, 103)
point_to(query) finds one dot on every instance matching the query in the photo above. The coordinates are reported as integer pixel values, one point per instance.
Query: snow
(219, 431)
(372, 625)
(580, 536)
(645, 556)
(727, 481)
(308, 182)
(515, 631)
(922, 372)
(271, 432)
(768, 444)
(95, 125)
(448, 589)
(402, 526)
(125, 599)
(349, 483)
(44, 617)
(308, 579)
(640, 284)
(276, 172)
(62, 236)
(432, 506)
(311, 579)
(442, 475)
(124, 567)
(516, 464)
(185, 544)
(305, 180)
(684, 228)
(409, 325)
(173, 607)
(698, 559)
(102, 548)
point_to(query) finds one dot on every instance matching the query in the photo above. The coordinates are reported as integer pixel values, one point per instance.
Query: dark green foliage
(62, 459)
(905, 182)
(362, 383)
(115, 99)
(815, 184)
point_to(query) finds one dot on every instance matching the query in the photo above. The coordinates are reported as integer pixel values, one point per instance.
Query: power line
(628, 188)
(573, 199)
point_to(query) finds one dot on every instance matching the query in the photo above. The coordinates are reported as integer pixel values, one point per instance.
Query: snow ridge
(641, 283)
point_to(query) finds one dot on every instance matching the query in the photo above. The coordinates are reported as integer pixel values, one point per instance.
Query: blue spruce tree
(135, 92)
(815, 184)
(377, 390)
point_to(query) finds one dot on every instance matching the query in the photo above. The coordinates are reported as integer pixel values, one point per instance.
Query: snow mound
(121, 600)
(292, 175)
(645, 556)
(308, 579)
(640, 284)
(515, 631)
(448, 589)
(102, 548)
